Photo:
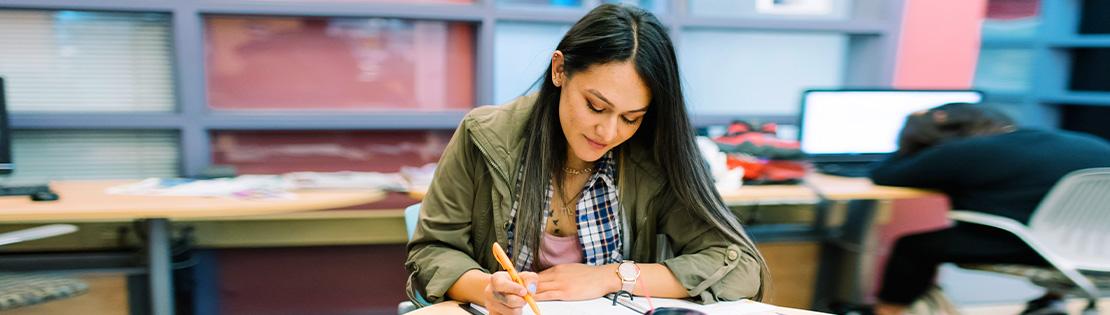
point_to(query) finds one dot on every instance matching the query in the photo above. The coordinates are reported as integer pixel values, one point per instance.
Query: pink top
(558, 250)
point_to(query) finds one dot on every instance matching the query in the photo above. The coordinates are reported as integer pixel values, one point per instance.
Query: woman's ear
(558, 76)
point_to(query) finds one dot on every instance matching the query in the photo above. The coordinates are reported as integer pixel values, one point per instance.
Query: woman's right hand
(506, 297)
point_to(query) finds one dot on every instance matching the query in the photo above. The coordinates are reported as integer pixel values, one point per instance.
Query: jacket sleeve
(933, 167)
(710, 266)
(439, 251)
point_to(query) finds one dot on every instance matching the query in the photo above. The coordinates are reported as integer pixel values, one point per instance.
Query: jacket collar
(498, 131)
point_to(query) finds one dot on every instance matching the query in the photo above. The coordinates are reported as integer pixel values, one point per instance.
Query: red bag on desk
(765, 158)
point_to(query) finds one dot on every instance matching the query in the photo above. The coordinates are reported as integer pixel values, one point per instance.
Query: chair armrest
(36, 233)
(1065, 266)
(1018, 229)
(1000, 222)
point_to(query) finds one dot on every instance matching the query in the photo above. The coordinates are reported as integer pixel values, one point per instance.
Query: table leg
(847, 258)
(161, 269)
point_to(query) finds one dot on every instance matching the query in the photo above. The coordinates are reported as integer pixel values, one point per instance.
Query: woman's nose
(607, 129)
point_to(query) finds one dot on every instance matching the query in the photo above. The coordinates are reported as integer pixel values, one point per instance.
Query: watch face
(628, 271)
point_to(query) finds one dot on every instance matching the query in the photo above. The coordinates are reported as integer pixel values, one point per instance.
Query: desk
(86, 201)
(843, 274)
(832, 187)
(452, 308)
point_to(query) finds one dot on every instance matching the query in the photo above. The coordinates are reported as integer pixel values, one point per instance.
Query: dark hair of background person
(618, 33)
(951, 121)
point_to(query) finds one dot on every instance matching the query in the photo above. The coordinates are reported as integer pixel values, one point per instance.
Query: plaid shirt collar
(598, 217)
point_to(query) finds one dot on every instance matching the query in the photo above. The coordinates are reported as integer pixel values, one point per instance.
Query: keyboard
(846, 169)
(22, 190)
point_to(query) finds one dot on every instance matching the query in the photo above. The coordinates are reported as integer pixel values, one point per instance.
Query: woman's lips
(596, 145)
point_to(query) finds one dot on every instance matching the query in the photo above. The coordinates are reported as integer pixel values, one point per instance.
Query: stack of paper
(604, 306)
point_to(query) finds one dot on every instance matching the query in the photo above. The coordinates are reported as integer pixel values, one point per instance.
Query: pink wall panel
(939, 44)
(283, 151)
(312, 280)
(938, 49)
(338, 64)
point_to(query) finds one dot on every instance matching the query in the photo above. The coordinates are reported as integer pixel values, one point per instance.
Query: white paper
(604, 306)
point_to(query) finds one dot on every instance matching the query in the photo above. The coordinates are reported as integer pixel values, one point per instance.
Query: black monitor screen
(861, 125)
(5, 135)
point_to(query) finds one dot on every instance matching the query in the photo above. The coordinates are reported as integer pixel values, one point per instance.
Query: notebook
(624, 306)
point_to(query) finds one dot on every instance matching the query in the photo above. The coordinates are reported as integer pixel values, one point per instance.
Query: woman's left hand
(573, 282)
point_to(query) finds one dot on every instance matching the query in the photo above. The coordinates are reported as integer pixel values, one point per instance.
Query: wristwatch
(628, 272)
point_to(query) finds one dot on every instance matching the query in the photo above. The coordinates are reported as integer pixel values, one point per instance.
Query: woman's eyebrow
(602, 97)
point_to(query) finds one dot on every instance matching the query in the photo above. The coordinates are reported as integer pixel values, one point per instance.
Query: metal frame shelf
(870, 61)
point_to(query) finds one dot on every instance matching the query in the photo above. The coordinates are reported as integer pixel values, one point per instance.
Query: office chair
(412, 214)
(1070, 229)
(25, 289)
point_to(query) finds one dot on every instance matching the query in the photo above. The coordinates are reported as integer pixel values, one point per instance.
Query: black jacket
(1005, 174)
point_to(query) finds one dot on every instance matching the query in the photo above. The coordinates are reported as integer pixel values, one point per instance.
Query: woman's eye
(629, 121)
(591, 106)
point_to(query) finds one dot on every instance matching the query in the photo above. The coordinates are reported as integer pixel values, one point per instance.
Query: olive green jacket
(466, 210)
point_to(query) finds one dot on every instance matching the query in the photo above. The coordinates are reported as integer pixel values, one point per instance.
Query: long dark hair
(948, 122)
(618, 33)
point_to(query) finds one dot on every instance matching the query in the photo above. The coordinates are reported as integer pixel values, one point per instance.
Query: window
(757, 73)
(75, 61)
(45, 155)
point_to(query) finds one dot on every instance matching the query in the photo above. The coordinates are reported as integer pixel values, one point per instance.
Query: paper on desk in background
(241, 187)
(418, 176)
(604, 306)
(344, 180)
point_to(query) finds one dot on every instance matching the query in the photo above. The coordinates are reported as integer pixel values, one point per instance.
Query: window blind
(72, 61)
(44, 155)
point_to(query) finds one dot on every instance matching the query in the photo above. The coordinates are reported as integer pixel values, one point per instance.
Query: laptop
(845, 132)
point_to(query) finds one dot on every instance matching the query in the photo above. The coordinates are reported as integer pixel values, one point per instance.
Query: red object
(761, 169)
(763, 156)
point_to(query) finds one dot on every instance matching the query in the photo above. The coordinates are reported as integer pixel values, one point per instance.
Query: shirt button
(732, 255)
(506, 226)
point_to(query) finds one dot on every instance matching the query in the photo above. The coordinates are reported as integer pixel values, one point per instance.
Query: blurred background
(131, 89)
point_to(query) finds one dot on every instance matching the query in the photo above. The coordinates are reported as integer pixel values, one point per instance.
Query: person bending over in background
(984, 163)
(578, 179)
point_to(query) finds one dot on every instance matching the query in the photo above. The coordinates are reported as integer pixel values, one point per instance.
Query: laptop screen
(863, 125)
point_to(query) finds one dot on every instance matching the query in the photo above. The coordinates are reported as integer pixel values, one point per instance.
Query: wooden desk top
(452, 308)
(86, 201)
(833, 187)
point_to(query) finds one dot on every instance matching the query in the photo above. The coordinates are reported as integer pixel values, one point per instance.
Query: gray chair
(1070, 229)
(25, 289)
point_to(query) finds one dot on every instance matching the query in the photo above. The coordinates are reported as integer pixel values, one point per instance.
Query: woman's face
(600, 108)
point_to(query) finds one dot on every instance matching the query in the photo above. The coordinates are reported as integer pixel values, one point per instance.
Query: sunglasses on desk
(617, 299)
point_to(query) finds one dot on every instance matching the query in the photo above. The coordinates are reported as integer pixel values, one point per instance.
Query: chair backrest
(412, 213)
(1074, 218)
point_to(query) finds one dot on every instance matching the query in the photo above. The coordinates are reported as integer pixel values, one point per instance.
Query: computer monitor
(5, 135)
(863, 125)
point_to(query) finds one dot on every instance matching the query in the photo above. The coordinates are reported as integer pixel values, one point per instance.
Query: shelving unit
(867, 31)
(1068, 47)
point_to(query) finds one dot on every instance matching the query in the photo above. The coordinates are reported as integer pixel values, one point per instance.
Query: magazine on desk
(605, 305)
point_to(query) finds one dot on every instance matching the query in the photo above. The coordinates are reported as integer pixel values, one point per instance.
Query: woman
(983, 163)
(578, 179)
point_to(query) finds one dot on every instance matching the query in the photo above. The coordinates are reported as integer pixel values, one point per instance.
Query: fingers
(501, 282)
(549, 295)
(503, 295)
(548, 290)
(531, 279)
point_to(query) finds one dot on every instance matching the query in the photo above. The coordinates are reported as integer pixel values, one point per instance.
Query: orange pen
(508, 265)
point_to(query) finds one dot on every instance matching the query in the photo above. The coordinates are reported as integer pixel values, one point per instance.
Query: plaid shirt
(598, 217)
